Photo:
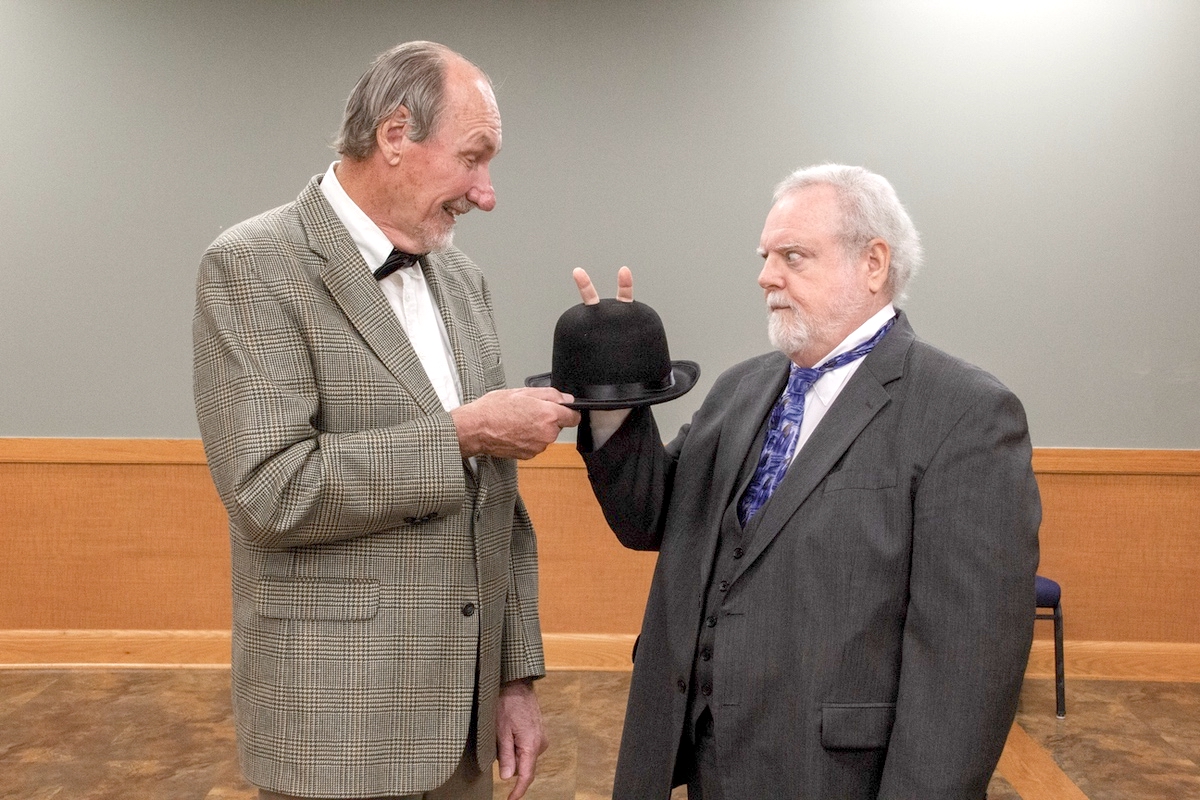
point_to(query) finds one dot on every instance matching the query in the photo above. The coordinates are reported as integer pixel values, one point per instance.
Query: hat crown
(609, 343)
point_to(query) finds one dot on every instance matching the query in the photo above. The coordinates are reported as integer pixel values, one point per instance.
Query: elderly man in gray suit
(351, 399)
(843, 602)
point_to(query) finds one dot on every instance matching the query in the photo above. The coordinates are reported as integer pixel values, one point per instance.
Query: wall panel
(129, 535)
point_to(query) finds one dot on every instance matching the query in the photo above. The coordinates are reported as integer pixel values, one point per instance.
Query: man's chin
(782, 332)
(433, 241)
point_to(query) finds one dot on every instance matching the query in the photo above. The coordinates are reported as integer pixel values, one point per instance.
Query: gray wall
(1047, 151)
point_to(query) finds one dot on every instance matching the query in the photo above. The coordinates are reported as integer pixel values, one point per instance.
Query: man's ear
(879, 265)
(392, 135)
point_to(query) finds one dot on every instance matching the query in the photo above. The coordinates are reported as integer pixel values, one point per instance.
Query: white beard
(791, 331)
(440, 237)
(787, 329)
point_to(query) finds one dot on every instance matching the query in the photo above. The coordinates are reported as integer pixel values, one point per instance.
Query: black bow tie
(397, 260)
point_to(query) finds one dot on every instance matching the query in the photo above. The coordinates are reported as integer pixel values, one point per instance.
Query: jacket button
(738, 552)
(468, 610)
(410, 520)
(681, 684)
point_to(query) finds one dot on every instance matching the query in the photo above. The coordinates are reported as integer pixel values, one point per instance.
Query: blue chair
(1049, 595)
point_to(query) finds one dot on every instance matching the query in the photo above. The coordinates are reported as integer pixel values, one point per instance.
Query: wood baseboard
(65, 649)
(70, 649)
(1119, 661)
(601, 652)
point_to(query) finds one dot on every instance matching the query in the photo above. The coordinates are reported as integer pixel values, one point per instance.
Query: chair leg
(1060, 687)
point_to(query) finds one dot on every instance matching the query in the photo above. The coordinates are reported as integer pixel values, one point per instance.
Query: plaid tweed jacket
(380, 590)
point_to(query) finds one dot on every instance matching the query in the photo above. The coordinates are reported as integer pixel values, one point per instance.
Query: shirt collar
(371, 242)
(831, 382)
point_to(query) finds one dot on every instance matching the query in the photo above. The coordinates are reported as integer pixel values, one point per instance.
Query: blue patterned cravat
(783, 429)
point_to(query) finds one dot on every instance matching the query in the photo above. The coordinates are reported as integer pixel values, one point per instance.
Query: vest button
(738, 552)
(468, 610)
(706, 690)
(681, 684)
(711, 622)
(723, 586)
(705, 654)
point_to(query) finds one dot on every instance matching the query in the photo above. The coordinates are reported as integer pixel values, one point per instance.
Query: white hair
(870, 210)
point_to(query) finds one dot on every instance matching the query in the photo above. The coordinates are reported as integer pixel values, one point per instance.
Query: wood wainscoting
(115, 551)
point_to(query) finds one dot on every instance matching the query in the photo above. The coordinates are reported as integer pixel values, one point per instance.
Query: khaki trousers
(467, 783)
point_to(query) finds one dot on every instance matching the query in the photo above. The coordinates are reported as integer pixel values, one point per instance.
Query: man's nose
(481, 192)
(768, 276)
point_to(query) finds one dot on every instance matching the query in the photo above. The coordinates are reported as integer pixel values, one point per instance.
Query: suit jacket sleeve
(969, 623)
(521, 646)
(632, 477)
(285, 481)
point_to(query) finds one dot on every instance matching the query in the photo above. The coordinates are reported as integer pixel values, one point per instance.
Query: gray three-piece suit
(871, 625)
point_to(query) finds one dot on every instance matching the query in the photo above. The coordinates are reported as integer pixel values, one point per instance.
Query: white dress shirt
(406, 292)
(819, 398)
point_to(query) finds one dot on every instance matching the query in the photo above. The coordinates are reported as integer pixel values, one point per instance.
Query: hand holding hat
(612, 354)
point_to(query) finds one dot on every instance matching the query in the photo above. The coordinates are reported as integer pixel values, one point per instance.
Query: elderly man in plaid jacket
(350, 394)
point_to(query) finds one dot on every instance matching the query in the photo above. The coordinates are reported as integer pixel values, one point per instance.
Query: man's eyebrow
(778, 248)
(484, 141)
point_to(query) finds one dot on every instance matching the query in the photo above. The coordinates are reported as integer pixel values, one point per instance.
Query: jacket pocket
(860, 479)
(288, 598)
(493, 376)
(856, 726)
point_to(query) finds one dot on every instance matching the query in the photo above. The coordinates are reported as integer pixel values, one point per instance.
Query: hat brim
(685, 374)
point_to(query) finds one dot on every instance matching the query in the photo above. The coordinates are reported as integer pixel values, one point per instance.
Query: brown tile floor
(98, 734)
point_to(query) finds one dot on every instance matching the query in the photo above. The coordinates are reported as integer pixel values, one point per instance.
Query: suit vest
(732, 541)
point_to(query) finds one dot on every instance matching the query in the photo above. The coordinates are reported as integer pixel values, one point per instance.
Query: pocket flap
(860, 479)
(320, 599)
(856, 726)
(493, 376)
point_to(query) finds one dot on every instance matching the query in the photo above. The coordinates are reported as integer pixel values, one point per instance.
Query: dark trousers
(704, 778)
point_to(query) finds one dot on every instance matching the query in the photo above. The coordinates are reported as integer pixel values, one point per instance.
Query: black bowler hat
(613, 354)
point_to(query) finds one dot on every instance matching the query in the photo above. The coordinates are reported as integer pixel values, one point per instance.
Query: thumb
(505, 755)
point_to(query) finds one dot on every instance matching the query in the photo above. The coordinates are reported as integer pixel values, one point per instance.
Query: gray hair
(870, 210)
(412, 75)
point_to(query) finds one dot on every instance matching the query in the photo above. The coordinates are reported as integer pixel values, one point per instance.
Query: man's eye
(792, 257)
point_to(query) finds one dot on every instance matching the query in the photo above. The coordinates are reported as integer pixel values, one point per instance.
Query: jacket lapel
(862, 398)
(454, 305)
(355, 290)
(752, 401)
